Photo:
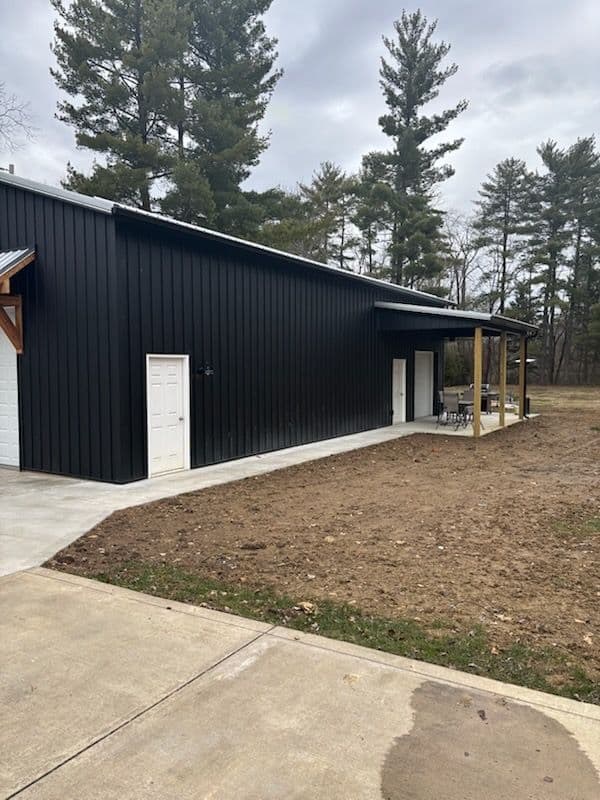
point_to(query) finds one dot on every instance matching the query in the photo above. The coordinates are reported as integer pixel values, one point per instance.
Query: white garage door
(9, 402)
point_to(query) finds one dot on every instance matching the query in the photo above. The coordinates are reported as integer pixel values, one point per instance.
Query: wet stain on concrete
(472, 746)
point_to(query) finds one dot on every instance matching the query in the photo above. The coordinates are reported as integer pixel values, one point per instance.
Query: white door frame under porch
(398, 391)
(424, 383)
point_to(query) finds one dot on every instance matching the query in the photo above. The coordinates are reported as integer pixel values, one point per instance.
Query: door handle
(181, 419)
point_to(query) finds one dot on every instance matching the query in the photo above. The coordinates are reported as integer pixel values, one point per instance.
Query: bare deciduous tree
(463, 255)
(15, 120)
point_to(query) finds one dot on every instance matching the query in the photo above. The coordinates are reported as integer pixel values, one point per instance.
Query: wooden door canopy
(11, 262)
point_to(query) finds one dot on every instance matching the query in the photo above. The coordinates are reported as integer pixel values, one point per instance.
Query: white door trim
(185, 359)
(398, 414)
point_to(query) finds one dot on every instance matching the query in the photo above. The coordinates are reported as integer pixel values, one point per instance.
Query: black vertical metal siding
(295, 352)
(68, 393)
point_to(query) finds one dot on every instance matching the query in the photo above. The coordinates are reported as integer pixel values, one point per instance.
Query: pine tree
(411, 79)
(168, 92)
(583, 203)
(548, 244)
(504, 198)
(226, 80)
(289, 223)
(372, 216)
(115, 62)
(332, 199)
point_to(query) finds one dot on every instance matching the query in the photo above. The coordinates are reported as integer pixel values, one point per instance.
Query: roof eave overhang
(447, 322)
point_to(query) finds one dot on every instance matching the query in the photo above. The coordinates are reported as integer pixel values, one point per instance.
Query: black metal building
(150, 345)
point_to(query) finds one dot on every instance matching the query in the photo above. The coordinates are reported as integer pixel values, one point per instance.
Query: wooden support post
(502, 386)
(477, 372)
(522, 376)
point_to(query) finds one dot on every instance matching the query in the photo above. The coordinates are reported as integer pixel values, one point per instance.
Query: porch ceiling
(446, 322)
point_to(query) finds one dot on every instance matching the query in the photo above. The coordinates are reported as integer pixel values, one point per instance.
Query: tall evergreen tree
(371, 217)
(227, 77)
(583, 203)
(289, 223)
(170, 91)
(115, 61)
(411, 78)
(500, 222)
(332, 199)
(548, 244)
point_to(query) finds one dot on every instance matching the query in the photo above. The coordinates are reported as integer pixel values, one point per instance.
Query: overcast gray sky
(529, 69)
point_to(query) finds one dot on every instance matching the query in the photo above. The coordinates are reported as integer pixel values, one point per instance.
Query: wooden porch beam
(522, 376)
(13, 330)
(10, 300)
(477, 374)
(502, 381)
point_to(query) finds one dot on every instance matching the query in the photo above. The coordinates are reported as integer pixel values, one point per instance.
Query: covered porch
(489, 424)
(435, 324)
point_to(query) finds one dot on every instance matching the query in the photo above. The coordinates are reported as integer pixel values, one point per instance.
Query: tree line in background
(170, 95)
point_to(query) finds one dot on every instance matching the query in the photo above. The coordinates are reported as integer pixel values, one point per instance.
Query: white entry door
(9, 401)
(168, 400)
(398, 391)
(423, 383)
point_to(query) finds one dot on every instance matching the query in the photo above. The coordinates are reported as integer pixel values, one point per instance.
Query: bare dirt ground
(504, 531)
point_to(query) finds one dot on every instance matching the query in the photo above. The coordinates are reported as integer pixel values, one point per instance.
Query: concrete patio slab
(40, 514)
(257, 712)
(490, 423)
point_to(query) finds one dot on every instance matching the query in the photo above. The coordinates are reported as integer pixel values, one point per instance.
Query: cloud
(527, 68)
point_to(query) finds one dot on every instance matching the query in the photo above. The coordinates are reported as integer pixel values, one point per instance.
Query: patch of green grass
(467, 650)
(581, 528)
(596, 428)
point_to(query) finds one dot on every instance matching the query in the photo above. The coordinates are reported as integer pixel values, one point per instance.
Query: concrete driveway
(111, 695)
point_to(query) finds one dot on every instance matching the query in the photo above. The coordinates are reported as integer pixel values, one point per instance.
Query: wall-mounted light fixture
(206, 370)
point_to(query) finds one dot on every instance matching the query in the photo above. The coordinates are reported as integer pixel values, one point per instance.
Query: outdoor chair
(452, 408)
(467, 413)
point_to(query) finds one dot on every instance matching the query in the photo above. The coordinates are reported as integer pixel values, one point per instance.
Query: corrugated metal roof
(110, 207)
(11, 258)
(95, 203)
(506, 323)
